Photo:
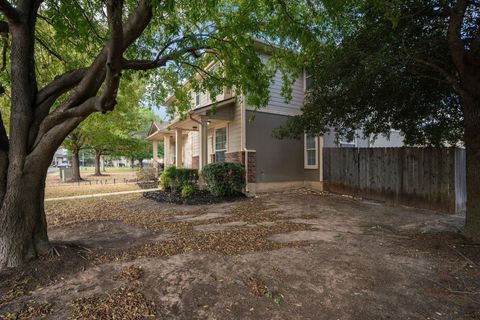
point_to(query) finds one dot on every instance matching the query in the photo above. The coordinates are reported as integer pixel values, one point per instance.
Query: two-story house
(228, 134)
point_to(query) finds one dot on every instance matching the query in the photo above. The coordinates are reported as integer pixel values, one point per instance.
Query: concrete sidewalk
(96, 195)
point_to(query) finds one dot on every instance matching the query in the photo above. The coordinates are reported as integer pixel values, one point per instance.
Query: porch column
(155, 153)
(178, 147)
(203, 143)
(166, 151)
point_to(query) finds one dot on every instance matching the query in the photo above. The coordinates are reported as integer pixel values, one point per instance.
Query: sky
(160, 111)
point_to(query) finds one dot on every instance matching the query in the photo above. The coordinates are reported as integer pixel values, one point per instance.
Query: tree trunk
(76, 165)
(98, 155)
(140, 161)
(102, 164)
(132, 163)
(471, 107)
(23, 235)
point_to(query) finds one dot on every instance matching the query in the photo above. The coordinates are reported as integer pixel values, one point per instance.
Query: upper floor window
(308, 78)
(197, 99)
(220, 144)
(311, 152)
(346, 143)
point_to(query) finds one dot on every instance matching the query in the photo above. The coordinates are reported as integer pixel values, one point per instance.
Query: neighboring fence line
(98, 182)
(431, 178)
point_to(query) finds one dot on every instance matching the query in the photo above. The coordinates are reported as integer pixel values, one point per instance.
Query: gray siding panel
(276, 160)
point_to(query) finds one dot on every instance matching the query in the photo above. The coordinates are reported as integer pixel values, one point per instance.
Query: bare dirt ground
(293, 255)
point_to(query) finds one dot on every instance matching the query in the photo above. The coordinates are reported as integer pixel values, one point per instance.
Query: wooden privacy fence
(431, 178)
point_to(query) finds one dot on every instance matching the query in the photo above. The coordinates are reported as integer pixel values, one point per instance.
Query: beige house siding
(187, 154)
(193, 135)
(277, 103)
(235, 130)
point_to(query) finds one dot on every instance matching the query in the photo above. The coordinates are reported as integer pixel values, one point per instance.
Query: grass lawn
(112, 180)
(293, 255)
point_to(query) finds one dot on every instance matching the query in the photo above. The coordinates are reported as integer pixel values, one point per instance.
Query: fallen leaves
(257, 287)
(260, 289)
(29, 311)
(130, 273)
(122, 303)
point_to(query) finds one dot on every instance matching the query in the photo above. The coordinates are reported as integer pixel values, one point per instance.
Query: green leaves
(224, 179)
(376, 79)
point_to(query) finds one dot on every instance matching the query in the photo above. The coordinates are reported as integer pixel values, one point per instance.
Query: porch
(203, 136)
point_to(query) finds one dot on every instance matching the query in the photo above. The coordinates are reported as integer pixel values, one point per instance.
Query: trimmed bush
(224, 179)
(173, 179)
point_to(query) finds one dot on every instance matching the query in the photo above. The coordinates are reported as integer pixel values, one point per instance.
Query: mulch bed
(198, 197)
(148, 184)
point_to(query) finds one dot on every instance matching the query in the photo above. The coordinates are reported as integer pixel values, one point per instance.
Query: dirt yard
(293, 255)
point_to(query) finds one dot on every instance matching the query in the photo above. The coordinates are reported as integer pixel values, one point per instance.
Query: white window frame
(343, 142)
(197, 99)
(215, 150)
(305, 79)
(305, 153)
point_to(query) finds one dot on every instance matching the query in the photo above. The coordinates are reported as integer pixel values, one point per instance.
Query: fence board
(432, 178)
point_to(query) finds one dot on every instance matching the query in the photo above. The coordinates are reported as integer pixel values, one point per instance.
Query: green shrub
(187, 191)
(167, 178)
(173, 179)
(224, 178)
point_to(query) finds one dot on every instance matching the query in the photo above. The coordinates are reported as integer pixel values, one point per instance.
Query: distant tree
(75, 142)
(116, 133)
(137, 148)
(419, 74)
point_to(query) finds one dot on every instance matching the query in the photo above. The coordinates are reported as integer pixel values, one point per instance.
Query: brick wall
(239, 157)
(195, 162)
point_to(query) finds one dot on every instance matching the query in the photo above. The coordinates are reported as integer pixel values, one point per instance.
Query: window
(220, 144)
(311, 154)
(308, 78)
(345, 143)
(197, 99)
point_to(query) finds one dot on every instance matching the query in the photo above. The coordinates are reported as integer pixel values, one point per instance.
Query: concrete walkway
(96, 195)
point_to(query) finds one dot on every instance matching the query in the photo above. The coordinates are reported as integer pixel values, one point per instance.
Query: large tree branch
(9, 11)
(454, 37)
(161, 61)
(93, 78)
(114, 58)
(61, 84)
(47, 96)
(50, 142)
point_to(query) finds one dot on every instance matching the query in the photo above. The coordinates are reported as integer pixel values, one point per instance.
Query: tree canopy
(380, 77)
